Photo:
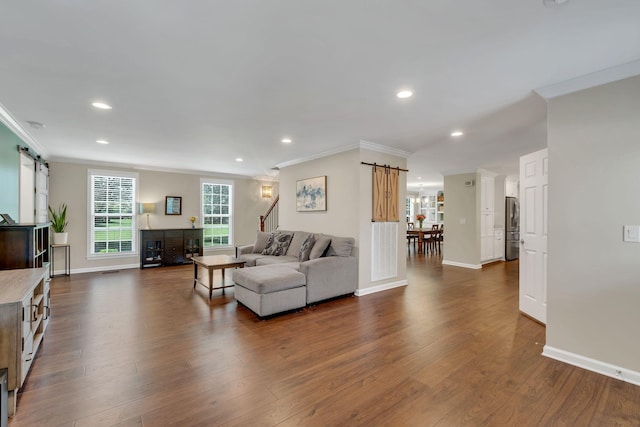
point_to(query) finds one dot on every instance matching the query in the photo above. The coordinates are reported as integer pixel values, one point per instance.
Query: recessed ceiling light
(239, 159)
(457, 133)
(102, 141)
(554, 3)
(286, 140)
(101, 105)
(404, 94)
(419, 177)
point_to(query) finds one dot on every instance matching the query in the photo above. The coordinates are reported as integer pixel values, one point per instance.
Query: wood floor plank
(142, 348)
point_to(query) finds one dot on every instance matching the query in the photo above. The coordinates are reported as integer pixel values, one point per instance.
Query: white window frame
(215, 181)
(90, 215)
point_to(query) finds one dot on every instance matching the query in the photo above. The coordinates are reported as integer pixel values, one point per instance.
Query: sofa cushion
(320, 246)
(250, 259)
(268, 279)
(296, 242)
(273, 260)
(278, 243)
(305, 249)
(341, 246)
(261, 242)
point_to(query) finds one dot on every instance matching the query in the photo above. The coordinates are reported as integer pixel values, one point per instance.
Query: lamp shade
(267, 191)
(147, 208)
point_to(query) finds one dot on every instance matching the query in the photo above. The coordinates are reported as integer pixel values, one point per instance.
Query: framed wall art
(173, 205)
(311, 194)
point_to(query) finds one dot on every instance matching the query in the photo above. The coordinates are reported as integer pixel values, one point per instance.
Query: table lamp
(147, 208)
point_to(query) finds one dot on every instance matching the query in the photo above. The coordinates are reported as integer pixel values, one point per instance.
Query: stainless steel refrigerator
(512, 229)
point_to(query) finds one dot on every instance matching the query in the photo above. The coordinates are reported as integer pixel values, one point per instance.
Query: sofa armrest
(330, 277)
(241, 250)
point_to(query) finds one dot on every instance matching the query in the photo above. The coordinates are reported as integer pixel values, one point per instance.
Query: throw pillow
(305, 249)
(278, 244)
(321, 245)
(341, 246)
(261, 242)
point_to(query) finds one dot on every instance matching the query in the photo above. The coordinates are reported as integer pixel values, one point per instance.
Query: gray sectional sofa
(291, 269)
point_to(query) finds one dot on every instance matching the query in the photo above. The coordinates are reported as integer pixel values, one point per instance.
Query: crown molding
(130, 166)
(14, 126)
(588, 81)
(362, 144)
(317, 156)
(384, 149)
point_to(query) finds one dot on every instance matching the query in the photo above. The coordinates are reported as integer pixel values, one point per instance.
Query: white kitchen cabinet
(498, 243)
(487, 193)
(486, 236)
(511, 188)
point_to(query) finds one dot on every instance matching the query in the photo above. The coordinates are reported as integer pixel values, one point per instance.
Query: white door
(42, 193)
(534, 179)
(27, 189)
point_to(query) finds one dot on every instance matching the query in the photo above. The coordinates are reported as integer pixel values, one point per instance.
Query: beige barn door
(534, 186)
(385, 194)
(393, 176)
(379, 191)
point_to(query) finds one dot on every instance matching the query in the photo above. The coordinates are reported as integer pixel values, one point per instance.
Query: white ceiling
(195, 84)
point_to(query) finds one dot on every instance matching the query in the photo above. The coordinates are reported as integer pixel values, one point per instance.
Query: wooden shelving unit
(24, 246)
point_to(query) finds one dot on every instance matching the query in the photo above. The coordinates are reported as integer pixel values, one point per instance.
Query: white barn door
(42, 193)
(27, 211)
(534, 186)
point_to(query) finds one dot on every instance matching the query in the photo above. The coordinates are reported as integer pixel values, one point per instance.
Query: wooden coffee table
(211, 263)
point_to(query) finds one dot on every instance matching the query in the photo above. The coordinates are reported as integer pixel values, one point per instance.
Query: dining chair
(430, 241)
(440, 237)
(411, 238)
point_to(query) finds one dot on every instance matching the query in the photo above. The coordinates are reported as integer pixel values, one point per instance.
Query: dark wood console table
(170, 246)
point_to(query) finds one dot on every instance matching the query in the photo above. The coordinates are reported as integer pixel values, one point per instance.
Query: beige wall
(341, 216)
(349, 204)
(594, 177)
(68, 184)
(462, 204)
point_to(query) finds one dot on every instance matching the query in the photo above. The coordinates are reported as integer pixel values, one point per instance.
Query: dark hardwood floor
(135, 348)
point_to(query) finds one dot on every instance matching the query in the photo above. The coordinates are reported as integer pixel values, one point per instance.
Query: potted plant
(59, 224)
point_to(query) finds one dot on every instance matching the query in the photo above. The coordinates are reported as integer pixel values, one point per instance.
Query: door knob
(522, 242)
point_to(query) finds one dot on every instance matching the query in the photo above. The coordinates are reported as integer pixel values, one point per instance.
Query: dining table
(421, 232)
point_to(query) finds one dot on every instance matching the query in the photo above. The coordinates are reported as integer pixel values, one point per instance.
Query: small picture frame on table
(6, 219)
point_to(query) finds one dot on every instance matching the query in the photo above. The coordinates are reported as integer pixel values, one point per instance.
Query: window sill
(112, 256)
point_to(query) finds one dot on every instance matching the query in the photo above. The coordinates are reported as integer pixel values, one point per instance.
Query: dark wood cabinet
(24, 246)
(169, 246)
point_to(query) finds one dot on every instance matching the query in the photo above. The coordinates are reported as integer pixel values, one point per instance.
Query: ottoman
(270, 289)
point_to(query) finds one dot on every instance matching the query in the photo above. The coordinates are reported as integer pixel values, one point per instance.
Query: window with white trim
(112, 218)
(217, 213)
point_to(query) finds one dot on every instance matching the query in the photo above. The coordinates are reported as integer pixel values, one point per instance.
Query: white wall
(68, 184)
(594, 177)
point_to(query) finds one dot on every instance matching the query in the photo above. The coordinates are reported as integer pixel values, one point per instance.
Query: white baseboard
(462, 264)
(98, 269)
(380, 288)
(593, 365)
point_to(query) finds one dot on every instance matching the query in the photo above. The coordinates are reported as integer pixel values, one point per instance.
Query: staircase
(269, 221)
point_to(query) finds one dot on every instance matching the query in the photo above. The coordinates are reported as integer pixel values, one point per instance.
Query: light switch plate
(631, 233)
